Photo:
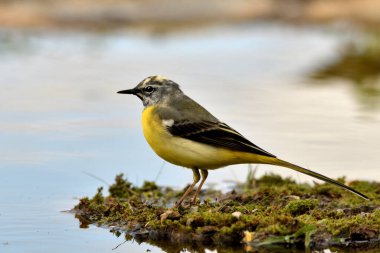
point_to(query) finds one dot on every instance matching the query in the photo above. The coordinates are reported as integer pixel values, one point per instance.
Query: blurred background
(299, 78)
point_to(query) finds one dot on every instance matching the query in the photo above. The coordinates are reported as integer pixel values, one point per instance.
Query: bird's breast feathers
(186, 152)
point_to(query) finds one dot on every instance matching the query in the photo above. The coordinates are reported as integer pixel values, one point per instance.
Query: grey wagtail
(184, 133)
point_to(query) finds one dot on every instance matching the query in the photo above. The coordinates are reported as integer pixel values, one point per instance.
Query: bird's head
(153, 90)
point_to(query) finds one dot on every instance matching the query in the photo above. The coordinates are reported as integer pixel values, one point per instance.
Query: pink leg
(204, 177)
(196, 178)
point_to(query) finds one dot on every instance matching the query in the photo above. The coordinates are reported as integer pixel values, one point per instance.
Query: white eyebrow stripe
(160, 78)
(168, 122)
(147, 80)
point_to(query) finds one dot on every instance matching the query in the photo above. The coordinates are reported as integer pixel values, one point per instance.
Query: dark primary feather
(317, 175)
(216, 134)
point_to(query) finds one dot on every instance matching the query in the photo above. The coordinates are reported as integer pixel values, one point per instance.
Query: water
(62, 120)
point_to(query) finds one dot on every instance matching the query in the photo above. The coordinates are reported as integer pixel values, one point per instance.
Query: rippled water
(62, 120)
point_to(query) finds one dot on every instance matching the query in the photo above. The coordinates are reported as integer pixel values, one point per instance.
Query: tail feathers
(286, 164)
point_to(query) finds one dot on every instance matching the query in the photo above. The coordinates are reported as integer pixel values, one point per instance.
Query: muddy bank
(162, 15)
(265, 213)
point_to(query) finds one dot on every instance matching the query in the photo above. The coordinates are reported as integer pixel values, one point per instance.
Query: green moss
(297, 207)
(98, 198)
(273, 179)
(121, 188)
(276, 211)
(149, 186)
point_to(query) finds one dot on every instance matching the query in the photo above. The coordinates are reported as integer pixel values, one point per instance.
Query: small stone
(364, 214)
(236, 214)
(293, 197)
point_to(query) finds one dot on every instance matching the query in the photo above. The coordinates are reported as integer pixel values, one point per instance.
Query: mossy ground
(262, 213)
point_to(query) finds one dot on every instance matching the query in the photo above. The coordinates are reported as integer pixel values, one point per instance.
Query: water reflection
(358, 63)
(166, 245)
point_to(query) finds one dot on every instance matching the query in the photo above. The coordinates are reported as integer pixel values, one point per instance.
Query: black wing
(216, 134)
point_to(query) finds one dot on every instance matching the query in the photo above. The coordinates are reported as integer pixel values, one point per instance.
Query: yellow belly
(188, 153)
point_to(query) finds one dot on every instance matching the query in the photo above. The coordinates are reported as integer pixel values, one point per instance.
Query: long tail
(286, 164)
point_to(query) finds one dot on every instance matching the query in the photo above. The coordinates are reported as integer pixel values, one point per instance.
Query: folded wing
(216, 134)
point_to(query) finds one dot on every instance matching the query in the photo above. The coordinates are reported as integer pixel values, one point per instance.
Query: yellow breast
(187, 153)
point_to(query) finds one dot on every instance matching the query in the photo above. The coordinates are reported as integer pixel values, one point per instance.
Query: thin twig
(96, 177)
(119, 245)
(160, 171)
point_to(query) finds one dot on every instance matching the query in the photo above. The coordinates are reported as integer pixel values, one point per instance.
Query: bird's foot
(195, 201)
(177, 204)
(169, 214)
(186, 204)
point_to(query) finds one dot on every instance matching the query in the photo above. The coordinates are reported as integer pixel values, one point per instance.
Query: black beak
(133, 91)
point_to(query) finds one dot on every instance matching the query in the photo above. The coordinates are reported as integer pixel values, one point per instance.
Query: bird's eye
(149, 89)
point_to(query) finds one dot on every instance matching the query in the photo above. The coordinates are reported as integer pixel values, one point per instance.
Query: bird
(184, 133)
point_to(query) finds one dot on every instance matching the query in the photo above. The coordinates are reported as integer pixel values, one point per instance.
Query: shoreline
(161, 15)
(264, 213)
